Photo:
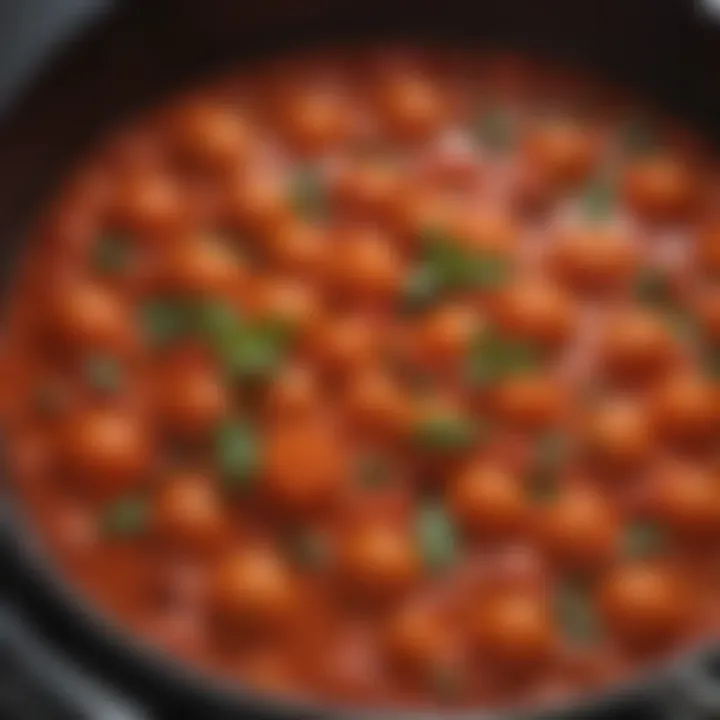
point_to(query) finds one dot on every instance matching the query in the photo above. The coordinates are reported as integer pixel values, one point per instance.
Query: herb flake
(575, 614)
(642, 540)
(111, 255)
(493, 128)
(494, 357)
(103, 373)
(436, 537)
(126, 518)
(237, 454)
(307, 194)
(446, 433)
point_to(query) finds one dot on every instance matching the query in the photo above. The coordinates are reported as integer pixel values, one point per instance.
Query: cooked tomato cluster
(379, 379)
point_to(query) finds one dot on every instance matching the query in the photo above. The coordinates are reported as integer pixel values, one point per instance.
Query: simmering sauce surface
(382, 378)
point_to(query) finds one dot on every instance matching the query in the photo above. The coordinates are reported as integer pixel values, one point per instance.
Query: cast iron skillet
(662, 48)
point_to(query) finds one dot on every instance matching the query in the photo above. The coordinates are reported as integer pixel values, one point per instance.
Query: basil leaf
(237, 454)
(421, 288)
(493, 357)
(307, 550)
(126, 517)
(307, 194)
(446, 266)
(111, 255)
(551, 449)
(598, 199)
(575, 614)
(256, 351)
(436, 537)
(165, 321)
(489, 271)
(103, 373)
(685, 326)
(494, 129)
(642, 540)
(446, 433)
(652, 288)
(216, 321)
(373, 470)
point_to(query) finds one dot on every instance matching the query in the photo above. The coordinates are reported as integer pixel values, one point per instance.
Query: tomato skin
(84, 315)
(411, 106)
(619, 434)
(593, 260)
(315, 120)
(685, 409)
(379, 562)
(686, 500)
(580, 530)
(304, 467)
(537, 310)
(645, 606)
(190, 400)
(563, 151)
(637, 346)
(106, 451)
(515, 631)
(252, 591)
(188, 513)
(488, 500)
(213, 138)
(660, 189)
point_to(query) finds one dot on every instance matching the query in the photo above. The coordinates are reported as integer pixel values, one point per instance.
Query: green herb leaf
(598, 199)
(489, 271)
(237, 454)
(551, 449)
(421, 288)
(436, 537)
(103, 373)
(446, 266)
(494, 129)
(111, 254)
(165, 321)
(575, 614)
(443, 433)
(216, 321)
(307, 194)
(652, 288)
(685, 326)
(494, 357)
(373, 470)
(256, 351)
(126, 517)
(642, 540)
(459, 269)
(307, 550)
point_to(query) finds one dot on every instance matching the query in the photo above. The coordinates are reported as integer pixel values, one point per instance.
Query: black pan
(665, 49)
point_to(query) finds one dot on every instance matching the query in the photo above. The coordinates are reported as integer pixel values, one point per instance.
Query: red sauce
(388, 378)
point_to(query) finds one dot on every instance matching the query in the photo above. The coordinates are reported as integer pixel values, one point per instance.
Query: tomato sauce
(386, 378)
